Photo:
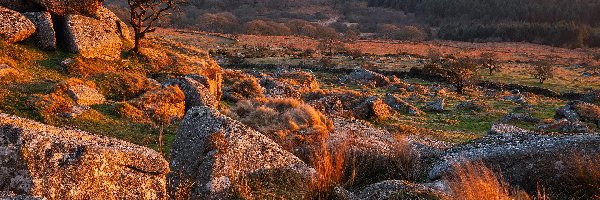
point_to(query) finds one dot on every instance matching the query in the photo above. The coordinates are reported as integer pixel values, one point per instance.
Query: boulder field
(82, 27)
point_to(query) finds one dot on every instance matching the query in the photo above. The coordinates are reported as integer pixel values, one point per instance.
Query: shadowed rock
(14, 27)
(373, 108)
(214, 152)
(525, 158)
(54, 163)
(44, 36)
(195, 90)
(21, 5)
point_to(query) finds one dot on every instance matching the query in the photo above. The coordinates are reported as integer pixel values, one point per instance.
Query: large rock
(54, 163)
(92, 38)
(195, 90)
(525, 158)
(67, 7)
(401, 106)
(84, 95)
(14, 27)
(117, 25)
(373, 108)
(214, 152)
(44, 36)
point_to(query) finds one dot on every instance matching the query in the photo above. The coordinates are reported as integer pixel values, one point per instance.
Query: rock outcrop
(525, 158)
(373, 108)
(53, 163)
(92, 38)
(366, 77)
(84, 95)
(119, 27)
(215, 152)
(401, 106)
(67, 7)
(397, 189)
(196, 91)
(14, 27)
(44, 36)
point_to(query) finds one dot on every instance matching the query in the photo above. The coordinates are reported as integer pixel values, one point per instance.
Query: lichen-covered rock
(373, 108)
(85, 95)
(44, 36)
(286, 84)
(438, 105)
(117, 25)
(526, 159)
(397, 189)
(366, 77)
(215, 152)
(92, 38)
(14, 27)
(49, 162)
(195, 90)
(68, 7)
(401, 106)
(564, 126)
(576, 111)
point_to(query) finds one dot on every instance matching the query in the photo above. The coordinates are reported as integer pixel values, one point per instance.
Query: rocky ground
(175, 124)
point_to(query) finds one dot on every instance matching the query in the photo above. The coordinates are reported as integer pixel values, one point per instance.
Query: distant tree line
(534, 11)
(559, 34)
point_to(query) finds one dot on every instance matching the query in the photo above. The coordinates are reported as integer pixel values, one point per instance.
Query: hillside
(205, 115)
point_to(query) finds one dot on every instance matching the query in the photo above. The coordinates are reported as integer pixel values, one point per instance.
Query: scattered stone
(398, 189)
(14, 27)
(576, 111)
(505, 128)
(330, 105)
(373, 108)
(527, 158)
(196, 93)
(49, 162)
(438, 105)
(474, 105)
(402, 106)
(92, 38)
(44, 36)
(74, 111)
(85, 95)
(69, 7)
(519, 117)
(366, 77)
(214, 151)
(565, 126)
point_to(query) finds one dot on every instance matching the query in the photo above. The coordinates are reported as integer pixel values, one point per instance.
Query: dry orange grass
(585, 177)
(475, 181)
(290, 122)
(330, 165)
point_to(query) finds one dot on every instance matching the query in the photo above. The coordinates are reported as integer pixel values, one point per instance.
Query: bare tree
(145, 14)
(488, 61)
(542, 71)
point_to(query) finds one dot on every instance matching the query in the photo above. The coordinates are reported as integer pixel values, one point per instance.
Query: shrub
(288, 122)
(585, 177)
(122, 86)
(127, 111)
(488, 61)
(163, 105)
(238, 86)
(83, 67)
(261, 27)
